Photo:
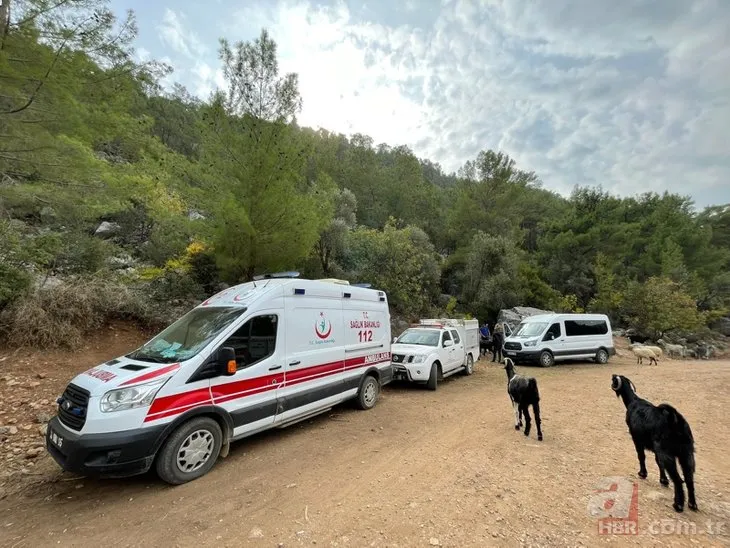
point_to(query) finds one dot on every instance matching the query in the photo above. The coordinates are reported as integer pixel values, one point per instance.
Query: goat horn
(618, 386)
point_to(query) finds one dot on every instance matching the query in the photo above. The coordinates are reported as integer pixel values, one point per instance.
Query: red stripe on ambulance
(152, 374)
(168, 406)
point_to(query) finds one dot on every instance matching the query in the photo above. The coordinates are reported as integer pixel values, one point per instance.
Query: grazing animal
(664, 431)
(642, 352)
(672, 349)
(658, 352)
(523, 392)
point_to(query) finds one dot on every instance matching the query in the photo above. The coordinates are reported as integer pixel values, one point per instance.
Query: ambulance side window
(255, 340)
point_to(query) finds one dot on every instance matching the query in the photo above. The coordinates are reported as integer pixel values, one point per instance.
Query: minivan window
(577, 328)
(530, 329)
(554, 331)
(188, 335)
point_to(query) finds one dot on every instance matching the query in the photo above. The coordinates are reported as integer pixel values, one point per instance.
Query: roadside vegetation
(121, 199)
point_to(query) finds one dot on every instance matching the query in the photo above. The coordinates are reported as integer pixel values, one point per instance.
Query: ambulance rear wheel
(190, 452)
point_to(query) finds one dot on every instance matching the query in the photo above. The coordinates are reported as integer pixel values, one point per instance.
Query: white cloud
(631, 94)
(174, 34)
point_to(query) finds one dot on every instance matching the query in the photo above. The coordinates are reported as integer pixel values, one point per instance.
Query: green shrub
(14, 282)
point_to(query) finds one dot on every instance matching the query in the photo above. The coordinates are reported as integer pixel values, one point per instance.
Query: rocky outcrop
(513, 316)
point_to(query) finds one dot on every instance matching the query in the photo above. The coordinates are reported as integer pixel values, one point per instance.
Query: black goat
(523, 392)
(664, 431)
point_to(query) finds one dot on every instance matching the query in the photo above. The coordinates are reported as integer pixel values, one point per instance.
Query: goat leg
(662, 474)
(518, 419)
(642, 460)
(528, 420)
(671, 467)
(536, 409)
(688, 469)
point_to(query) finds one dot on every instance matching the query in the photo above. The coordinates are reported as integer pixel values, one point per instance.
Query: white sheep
(642, 352)
(672, 349)
(657, 350)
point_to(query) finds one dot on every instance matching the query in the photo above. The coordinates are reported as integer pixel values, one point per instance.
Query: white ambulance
(256, 356)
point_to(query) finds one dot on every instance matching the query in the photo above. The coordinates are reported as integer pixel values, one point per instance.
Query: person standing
(485, 340)
(497, 341)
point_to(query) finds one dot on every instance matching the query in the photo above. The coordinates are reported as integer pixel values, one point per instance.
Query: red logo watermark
(615, 503)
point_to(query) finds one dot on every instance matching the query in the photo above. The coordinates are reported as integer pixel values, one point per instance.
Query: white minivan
(259, 355)
(548, 338)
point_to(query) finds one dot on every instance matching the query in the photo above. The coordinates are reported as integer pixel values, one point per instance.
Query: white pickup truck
(435, 349)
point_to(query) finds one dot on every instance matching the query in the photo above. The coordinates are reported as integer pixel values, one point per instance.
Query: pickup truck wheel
(190, 452)
(433, 379)
(367, 397)
(469, 369)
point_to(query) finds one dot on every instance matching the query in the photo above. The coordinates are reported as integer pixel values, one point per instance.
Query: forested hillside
(119, 198)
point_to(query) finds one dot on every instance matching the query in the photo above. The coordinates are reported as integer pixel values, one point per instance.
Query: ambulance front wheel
(190, 452)
(367, 397)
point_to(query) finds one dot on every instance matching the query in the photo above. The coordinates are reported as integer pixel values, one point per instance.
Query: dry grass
(60, 317)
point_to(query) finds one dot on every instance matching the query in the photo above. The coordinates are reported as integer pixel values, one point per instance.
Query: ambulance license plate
(56, 439)
(511, 353)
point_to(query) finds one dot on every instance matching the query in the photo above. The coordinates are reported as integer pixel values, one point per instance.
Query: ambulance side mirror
(227, 361)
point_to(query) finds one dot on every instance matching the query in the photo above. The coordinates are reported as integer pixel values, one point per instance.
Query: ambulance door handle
(295, 363)
(274, 368)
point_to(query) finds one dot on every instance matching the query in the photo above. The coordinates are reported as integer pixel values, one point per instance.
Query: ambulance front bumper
(115, 455)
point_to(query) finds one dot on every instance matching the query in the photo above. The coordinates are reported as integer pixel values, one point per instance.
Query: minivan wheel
(546, 359)
(602, 356)
(367, 397)
(469, 369)
(190, 452)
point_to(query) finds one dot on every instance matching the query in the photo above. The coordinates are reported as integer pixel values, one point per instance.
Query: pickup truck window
(424, 337)
(447, 337)
(455, 334)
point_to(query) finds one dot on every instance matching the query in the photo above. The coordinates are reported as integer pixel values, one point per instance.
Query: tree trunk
(4, 21)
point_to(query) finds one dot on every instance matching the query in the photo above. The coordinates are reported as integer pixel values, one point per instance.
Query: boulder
(722, 326)
(513, 316)
(107, 228)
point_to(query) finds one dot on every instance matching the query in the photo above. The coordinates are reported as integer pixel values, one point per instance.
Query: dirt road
(422, 468)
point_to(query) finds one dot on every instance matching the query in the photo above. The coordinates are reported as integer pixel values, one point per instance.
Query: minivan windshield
(187, 336)
(530, 329)
(424, 337)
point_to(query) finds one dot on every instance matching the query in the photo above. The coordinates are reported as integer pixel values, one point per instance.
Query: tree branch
(56, 57)
(39, 13)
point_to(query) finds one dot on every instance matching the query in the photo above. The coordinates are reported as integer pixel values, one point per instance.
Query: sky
(632, 95)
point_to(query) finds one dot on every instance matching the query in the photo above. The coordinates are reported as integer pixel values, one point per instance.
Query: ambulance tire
(199, 433)
(368, 394)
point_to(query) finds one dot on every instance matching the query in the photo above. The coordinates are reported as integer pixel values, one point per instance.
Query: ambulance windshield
(187, 336)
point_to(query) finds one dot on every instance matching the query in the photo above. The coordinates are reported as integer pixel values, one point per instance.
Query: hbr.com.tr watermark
(616, 505)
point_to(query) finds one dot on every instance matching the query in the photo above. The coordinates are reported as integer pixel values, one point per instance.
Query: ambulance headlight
(129, 398)
(532, 342)
(418, 359)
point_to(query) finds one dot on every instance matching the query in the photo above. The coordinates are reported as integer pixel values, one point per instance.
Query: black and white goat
(523, 392)
(664, 431)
